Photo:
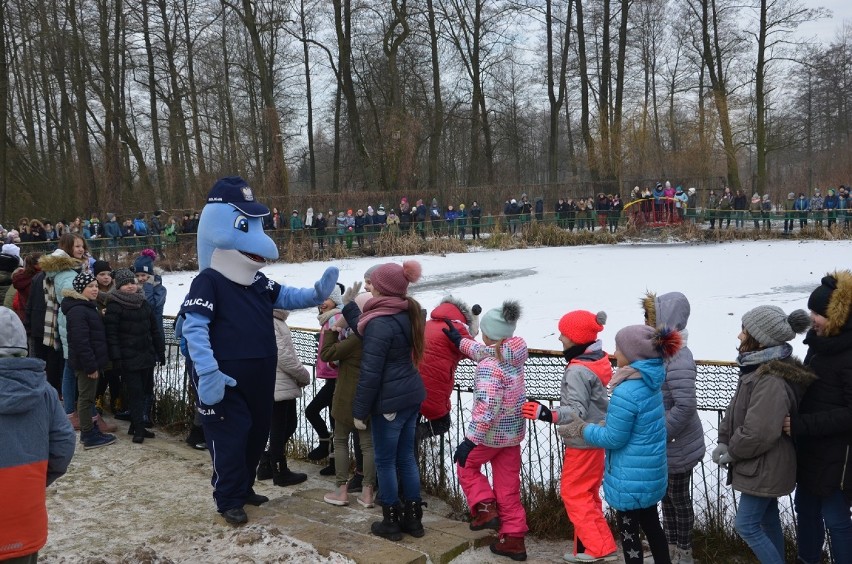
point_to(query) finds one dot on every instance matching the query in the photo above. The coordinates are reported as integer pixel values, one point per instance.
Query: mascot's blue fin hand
(211, 387)
(325, 285)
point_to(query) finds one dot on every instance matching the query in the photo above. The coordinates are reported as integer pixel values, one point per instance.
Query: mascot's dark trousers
(237, 428)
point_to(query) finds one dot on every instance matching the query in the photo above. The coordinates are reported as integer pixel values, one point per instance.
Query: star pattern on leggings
(633, 553)
(627, 536)
(626, 520)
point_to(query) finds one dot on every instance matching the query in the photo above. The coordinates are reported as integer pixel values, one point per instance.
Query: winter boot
(144, 433)
(236, 516)
(96, 439)
(412, 518)
(366, 499)
(330, 469)
(104, 425)
(74, 420)
(355, 483)
(388, 527)
(338, 496)
(510, 546)
(683, 556)
(485, 516)
(264, 467)
(195, 438)
(283, 477)
(322, 450)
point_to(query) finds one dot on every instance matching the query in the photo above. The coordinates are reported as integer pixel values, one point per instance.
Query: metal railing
(541, 451)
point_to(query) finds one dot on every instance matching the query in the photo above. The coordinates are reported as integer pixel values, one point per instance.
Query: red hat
(392, 279)
(582, 326)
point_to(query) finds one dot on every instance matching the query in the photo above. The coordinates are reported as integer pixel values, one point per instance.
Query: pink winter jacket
(499, 393)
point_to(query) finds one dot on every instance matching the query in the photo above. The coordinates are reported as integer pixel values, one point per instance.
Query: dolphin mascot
(226, 322)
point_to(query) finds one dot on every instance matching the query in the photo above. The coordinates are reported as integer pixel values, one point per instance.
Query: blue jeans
(69, 388)
(393, 445)
(759, 524)
(814, 515)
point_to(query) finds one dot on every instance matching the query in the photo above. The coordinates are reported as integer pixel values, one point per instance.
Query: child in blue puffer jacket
(634, 436)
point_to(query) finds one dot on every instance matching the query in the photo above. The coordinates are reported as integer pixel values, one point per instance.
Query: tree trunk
(585, 129)
(437, 120)
(312, 164)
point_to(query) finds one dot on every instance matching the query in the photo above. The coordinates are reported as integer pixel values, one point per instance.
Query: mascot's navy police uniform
(226, 321)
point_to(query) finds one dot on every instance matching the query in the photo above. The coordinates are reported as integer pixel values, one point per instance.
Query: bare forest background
(128, 106)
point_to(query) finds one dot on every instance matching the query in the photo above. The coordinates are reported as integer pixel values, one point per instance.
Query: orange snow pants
(582, 475)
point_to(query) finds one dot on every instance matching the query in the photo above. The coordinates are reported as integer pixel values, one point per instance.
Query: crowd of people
(661, 204)
(635, 431)
(388, 374)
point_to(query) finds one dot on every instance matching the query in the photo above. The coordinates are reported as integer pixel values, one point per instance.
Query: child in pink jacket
(496, 430)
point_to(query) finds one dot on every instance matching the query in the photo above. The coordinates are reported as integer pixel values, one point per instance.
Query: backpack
(140, 227)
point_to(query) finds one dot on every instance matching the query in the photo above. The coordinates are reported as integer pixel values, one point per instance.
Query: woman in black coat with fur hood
(822, 428)
(135, 343)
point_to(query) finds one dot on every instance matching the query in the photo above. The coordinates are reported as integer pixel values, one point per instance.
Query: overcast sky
(827, 29)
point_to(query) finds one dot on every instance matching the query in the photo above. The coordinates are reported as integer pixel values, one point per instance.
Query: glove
(351, 292)
(325, 285)
(464, 448)
(211, 387)
(536, 410)
(725, 459)
(721, 449)
(574, 429)
(453, 335)
(360, 425)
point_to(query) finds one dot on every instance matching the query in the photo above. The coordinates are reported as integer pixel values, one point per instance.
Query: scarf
(51, 315)
(764, 355)
(128, 301)
(325, 316)
(379, 307)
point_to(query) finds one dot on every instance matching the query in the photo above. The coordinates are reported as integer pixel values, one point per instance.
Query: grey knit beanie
(771, 327)
(123, 276)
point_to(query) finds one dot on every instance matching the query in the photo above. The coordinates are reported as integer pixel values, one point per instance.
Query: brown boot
(485, 516)
(74, 420)
(510, 546)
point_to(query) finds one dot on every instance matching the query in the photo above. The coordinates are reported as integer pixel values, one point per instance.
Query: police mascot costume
(227, 325)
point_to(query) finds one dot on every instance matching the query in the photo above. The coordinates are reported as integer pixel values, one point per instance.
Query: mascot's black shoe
(256, 499)
(236, 516)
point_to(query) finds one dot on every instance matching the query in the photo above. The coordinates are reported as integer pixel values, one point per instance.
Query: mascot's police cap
(235, 191)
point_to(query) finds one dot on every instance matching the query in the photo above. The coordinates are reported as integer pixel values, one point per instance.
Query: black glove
(452, 334)
(464, 448)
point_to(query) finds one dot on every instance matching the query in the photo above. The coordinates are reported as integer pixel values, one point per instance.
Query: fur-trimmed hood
(669, 310)
(57, 262)
(72, 293)
(839, 304)
(790, 369)
(444, 310)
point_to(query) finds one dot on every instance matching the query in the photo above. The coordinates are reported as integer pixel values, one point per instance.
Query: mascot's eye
(241, 223)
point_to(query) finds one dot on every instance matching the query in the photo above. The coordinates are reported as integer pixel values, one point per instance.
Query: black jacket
(36, 307)
(87, 344)
(133, 336)
(823, 427)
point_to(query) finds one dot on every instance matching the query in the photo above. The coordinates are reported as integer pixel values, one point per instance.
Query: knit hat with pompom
(500, 322)
(582, 326)
(642, 342)
(771, 327)
(392, 279)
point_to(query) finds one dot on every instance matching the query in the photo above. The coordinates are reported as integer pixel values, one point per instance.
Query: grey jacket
(685, 443)
(584, 392)
(764, 458)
